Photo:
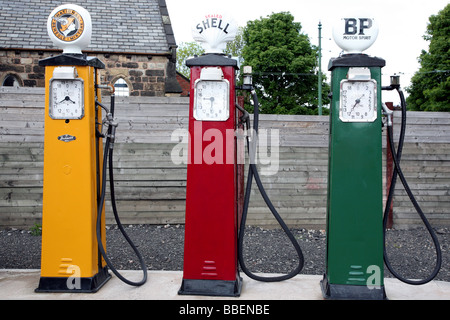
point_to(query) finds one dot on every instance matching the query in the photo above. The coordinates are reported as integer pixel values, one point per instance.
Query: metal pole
(320, 68)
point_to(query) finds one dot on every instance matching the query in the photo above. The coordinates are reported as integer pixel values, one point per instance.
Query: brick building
(133, 38)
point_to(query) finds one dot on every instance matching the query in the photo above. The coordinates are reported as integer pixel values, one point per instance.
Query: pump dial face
(66, 99)
(358, 101)
(211, 101)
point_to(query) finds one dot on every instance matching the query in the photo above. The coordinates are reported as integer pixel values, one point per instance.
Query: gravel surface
(266, 250)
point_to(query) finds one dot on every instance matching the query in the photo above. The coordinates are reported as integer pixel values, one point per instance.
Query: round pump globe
(70, 28)
(355, 32)
(214, 31)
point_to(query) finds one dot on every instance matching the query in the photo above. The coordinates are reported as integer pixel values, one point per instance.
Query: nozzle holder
(395, 81)
(248, 79)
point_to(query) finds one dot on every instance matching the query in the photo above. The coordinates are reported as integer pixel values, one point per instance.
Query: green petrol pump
(354, 258)
(355, 194)
(356, 225)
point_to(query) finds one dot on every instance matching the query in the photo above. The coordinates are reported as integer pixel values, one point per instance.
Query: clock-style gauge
(358, 101)
(211, 101)
(66, 96)
(66, 99)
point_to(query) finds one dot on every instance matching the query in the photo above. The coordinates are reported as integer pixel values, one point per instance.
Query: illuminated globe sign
(70, 28)
(214, 31)
(356, 32)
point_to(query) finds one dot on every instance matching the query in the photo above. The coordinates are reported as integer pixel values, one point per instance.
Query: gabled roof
(132, 26)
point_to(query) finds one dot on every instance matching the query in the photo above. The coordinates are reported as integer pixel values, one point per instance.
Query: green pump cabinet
(354, 258)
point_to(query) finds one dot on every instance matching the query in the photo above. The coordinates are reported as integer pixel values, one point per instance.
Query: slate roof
(134, 26)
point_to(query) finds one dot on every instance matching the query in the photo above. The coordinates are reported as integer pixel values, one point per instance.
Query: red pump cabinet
(213, 180)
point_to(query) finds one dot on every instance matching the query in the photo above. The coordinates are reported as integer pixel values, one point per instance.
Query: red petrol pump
(214, 230)
(210, 249)
(210, 252)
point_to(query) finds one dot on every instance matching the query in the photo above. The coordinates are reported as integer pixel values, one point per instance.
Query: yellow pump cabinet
(71, 261)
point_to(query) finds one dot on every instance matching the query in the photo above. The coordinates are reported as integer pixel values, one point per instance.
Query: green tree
(284, 65)
(184, 51)
(234, 48)
(430, 86)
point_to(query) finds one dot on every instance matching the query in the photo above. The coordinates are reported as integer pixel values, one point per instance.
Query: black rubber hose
(108, 159)
(396, 155)
(253, 173)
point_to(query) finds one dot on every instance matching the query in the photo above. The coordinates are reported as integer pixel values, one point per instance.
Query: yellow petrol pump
(72, 160)
(74, 257)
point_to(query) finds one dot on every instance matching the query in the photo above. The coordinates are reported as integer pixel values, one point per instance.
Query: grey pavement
(17, 284)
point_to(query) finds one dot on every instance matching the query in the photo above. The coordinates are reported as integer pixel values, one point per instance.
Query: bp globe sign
(355, 33)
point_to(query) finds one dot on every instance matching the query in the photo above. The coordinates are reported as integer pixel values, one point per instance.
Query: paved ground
(164, 285)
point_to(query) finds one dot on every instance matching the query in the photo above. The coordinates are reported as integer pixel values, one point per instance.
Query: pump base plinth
(79, 285)
(332, 291)
(217, 288)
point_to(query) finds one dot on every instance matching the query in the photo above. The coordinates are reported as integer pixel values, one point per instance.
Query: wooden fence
(150, 188)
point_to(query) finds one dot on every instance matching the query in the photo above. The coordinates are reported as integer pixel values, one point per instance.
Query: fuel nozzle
(112, 126)
(389, 113)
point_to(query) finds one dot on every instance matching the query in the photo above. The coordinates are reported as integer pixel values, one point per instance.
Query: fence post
(389, 171)
(241, 166)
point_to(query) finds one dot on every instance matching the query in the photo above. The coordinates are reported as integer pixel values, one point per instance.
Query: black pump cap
(212, 60)
(356, 60)
(69, 59)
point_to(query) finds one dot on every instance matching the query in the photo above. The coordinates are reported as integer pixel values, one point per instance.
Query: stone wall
(23, 65)
(144, 74)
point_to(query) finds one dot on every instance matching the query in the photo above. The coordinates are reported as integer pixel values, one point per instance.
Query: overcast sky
(402, 24)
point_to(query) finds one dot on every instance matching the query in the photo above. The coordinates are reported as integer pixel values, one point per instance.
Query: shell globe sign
(213, 31)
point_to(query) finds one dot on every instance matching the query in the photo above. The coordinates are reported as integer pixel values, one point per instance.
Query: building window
(11, 81)
(121, 88)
